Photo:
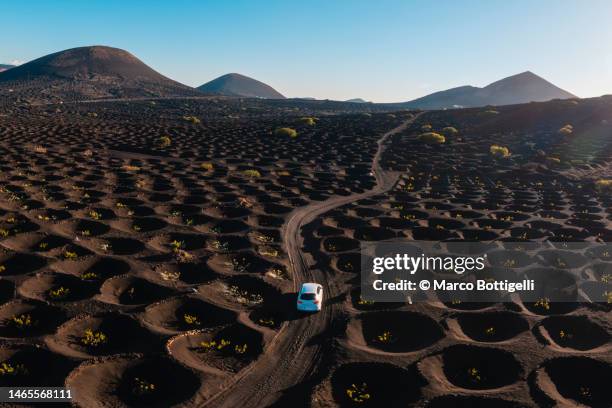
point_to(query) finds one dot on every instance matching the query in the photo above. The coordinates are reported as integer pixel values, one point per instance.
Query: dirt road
(292, 356)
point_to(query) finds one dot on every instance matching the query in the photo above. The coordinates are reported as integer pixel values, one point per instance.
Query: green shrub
(7, 368)
(604, 184)
(164, 141)
(286, 131)
(449, 130)
(192, 119)
(142, 387)
(499, 151)
(566, 130)
(432, 138)
(310, 121)
(252, 173)
(59, 293)
(22, 321)
(191, 320)
(92, 338)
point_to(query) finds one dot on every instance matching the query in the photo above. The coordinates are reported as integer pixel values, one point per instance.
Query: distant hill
(520, 88)
(356, 100)
(240, 85)
(90, 73)
(4, 67)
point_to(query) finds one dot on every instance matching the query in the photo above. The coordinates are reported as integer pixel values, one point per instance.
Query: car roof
(309, 287)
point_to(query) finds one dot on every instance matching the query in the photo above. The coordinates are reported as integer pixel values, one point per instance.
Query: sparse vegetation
(245, 202)
(385, 337)
(604, 184)
(169, 276)
(8, 369)
(240, 348)
(164, 141)
(330, 246)
(566, 130)
(358, 393)
(214, 345)
(220, 245)
(266, 321)
(499, 151)
(474, 375)
(89, 276)
(92, 338)
(95, 215)
(286, 131)
(543, 303)
(223, 345)
(142, 387)
(23, 321)
(277, 273)
(244, 296)
(268, 251)
(191, 320)
(70, 255)
(251, 173)
(310, 121)
(432, 138)
(363, 302)
(182, 256)
(192, 119)
(177, 245)
(60, 293)
(240, 264)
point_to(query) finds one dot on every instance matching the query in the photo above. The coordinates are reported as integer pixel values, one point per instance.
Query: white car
(310, 297)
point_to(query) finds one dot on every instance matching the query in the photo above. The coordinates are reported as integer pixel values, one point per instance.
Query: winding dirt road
(293, 355)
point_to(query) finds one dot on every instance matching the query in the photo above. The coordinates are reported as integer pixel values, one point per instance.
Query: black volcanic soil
(489, 353)
(132, 238)
(122, 254)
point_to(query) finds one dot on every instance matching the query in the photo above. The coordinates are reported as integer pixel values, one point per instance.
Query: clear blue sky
(380, 50)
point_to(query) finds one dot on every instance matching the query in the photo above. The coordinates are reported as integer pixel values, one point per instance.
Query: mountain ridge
(234, 84)
(357, 100)
(520, 88)
(5, 67)
(91, 72)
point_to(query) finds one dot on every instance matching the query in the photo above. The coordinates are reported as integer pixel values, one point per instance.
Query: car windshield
(307, 296)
